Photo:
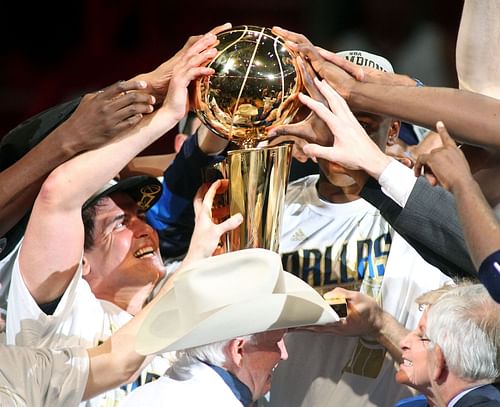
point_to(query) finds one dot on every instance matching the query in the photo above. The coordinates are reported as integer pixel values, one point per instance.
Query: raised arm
(90, 126)
(33, 149)
(448, 167)
(48, 264)
(365, 318)
(420, 105)
(478, 38)
(430, 224)
(479, 125)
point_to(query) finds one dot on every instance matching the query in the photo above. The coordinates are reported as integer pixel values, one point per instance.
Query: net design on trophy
(255, 86)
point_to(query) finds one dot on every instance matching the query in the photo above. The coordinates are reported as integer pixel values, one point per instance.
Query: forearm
(115, 361)
(481, 228)
(184, 176)
(426, 105)
(116, 154)
(433, 230)
(109, 369)
(390, 335)
(49, 264)
(478, 39)
(20, 183)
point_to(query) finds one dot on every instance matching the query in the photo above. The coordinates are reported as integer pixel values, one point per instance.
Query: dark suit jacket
(484, 396)
(429, 222)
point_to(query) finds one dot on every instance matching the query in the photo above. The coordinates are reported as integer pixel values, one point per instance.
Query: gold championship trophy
(255, 85)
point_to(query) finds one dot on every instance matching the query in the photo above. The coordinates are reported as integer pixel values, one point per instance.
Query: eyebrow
(108, 222)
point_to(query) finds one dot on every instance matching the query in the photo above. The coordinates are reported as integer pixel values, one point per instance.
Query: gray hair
(213, 353)
(465, 323)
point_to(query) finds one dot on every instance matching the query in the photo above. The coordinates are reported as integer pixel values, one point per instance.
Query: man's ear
(236, 351)
(393, 132)
(439, 367)
(85, 267)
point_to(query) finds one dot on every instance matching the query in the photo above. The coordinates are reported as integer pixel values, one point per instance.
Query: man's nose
(140, 228)
(405, 342)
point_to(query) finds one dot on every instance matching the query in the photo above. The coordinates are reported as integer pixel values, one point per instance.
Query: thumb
(232, 223)
(317, 151)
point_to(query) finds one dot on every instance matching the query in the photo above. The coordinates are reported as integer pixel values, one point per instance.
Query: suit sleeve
(429, 223)
(489, 274)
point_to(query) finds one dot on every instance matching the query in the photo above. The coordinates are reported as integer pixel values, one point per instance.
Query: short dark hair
(88, 216)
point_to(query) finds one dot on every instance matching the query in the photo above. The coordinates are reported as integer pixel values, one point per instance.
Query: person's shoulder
(152, 393)
(484, 396)
(302, 186)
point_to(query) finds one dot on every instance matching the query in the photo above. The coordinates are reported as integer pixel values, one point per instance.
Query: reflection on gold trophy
(255, 85)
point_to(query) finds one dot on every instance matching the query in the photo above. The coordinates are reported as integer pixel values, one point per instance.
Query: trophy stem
(257, 186)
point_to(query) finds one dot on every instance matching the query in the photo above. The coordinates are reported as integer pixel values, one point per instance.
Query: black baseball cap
(143, 189)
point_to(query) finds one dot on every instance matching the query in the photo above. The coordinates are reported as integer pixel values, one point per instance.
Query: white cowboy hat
(227, 296)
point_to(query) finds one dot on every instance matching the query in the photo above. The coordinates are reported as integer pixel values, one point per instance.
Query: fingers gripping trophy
(254, 87)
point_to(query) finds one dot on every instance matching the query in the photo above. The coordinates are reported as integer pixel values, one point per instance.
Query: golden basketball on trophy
(255, 86)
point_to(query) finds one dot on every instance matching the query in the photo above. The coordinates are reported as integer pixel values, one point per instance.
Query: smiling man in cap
(76, 281)
(226, 317)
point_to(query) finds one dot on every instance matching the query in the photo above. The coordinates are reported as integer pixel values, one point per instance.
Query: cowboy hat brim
(299, 305)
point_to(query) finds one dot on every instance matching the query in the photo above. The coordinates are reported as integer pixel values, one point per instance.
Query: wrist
(463, 184)
(350, 91)
(377, 165)
(384, 320)
(68, 145)
(402, 80)
(209, 142)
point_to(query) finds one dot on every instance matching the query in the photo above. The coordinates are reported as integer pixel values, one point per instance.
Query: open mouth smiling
(144, 252)
(407, 363)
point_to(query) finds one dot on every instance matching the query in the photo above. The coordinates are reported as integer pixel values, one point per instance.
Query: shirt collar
(455, 399)
(239, 389)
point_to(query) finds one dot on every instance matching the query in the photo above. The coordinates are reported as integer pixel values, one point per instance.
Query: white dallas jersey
(352, 246)
(80, 319)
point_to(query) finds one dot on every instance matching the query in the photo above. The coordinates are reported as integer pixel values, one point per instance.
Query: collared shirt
(240, 390)
(455, 399)
(398, 191)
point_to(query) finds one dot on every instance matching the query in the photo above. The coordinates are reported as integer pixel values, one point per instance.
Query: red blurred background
(54, 51)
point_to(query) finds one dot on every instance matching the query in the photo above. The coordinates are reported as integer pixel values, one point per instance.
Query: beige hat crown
(227, 296)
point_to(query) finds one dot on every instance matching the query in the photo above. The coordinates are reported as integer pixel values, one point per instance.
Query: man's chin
(402, 378)
(341, 180)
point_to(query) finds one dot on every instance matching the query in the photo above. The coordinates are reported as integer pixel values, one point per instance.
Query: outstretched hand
(445, 165)
(365, 73)
(364, 315)
(189, 67)
(342, 81)
(353, 148)
(159, 79)
(104, 114)
(207, 232)
(312, 129)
